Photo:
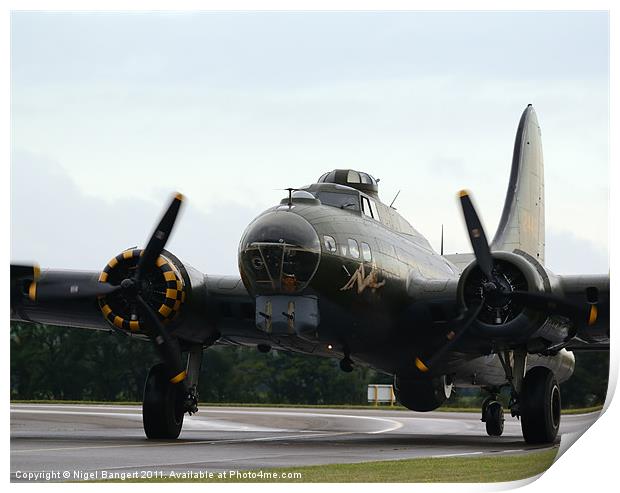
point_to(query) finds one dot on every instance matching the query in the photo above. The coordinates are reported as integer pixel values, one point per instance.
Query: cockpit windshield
(348, 201)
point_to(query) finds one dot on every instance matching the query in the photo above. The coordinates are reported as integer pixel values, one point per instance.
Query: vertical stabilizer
(522, 225)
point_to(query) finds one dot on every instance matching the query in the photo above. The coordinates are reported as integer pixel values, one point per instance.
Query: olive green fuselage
(365, 280)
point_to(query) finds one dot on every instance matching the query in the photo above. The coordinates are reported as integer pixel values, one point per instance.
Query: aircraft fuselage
(368, 263)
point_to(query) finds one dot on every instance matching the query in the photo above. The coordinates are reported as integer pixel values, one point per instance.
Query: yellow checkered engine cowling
(162, 288)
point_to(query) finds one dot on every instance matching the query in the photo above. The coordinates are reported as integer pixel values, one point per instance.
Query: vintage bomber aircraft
(333, 271)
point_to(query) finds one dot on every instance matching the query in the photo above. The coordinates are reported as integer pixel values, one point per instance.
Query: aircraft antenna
(442, 239)
(290, 195)
(397, 193)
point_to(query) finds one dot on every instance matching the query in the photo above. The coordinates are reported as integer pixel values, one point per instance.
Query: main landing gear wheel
(540, 406)
(493, 416)
(163, 406)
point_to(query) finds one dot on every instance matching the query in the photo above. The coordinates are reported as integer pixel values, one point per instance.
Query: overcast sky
(112, 112)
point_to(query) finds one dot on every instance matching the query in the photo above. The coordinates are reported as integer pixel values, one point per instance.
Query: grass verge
(583, 410)
(497, 468)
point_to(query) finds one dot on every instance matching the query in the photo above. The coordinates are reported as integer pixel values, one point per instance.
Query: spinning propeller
(131, 289)
(497, 291)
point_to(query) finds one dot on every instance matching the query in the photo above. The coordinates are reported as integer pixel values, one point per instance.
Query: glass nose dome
(279, 253)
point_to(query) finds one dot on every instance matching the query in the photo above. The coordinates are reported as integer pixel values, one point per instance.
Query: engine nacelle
(501, 316)
(422, 395)
(488, 371)
(164, 289)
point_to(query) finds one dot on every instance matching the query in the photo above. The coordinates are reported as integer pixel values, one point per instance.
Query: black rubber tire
(540, 406)
(162, 407)
(494, 419)
(422, 395)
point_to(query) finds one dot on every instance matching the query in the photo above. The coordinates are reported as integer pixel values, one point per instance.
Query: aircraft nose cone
(279, 253)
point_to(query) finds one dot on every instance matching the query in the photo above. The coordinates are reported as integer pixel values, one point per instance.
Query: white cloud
(56, 225)
(220, 108)
(568, 254)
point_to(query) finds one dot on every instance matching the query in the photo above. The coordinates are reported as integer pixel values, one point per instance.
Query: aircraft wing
(215, 307)
(593, 289)
(147, 293)
(511, 301)
(82, 312)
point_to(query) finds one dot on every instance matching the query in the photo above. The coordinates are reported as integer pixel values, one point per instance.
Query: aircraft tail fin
(522, 224)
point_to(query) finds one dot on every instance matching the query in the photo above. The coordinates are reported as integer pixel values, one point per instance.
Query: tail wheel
(540, 405)
(162, 407)
(494, 419)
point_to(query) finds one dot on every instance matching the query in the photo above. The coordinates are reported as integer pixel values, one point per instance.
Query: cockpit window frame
(373, 212)
(366, 208)
(352, 194)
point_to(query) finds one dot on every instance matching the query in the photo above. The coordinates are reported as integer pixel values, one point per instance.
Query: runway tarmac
(86, 440)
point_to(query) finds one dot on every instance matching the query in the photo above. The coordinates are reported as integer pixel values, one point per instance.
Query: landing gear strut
(165, 403)
(534, 398)
(346, 363)
(514, 363)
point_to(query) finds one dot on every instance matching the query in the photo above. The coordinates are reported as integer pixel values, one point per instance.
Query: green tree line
(73, 364)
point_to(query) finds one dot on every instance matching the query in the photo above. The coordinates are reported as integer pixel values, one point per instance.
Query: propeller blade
(476, 235)
(66, 290)
(459, 328)
(167, 348)
(160, 236)
(580, 313)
